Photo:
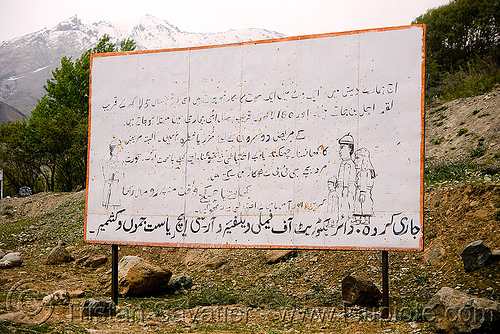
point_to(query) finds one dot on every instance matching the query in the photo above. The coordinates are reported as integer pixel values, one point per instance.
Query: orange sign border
(267, 41)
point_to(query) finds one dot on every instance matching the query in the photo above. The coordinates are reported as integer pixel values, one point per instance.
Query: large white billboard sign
(303, 142)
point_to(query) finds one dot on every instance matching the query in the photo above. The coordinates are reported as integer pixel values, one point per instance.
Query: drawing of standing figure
(111, 191)
(365, 175)
(332, 203)
(346, 177)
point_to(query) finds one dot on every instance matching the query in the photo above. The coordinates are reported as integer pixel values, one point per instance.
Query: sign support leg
(114, 273)
(385, 284)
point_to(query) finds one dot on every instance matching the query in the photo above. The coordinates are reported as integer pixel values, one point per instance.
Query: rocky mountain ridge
(26, 62)
(9, 113)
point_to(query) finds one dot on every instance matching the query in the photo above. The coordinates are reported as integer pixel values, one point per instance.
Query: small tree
(460, 34)
(52, 147)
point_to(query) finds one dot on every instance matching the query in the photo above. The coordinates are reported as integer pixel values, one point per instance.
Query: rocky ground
(237, 290)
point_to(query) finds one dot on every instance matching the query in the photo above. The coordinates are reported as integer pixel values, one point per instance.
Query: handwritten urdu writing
(249, 154)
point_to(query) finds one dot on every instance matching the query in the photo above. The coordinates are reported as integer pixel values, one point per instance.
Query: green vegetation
(462, 49)
(444, 170)
(49, 152)
(266, 296)
(412, 310)
(437, 141)
(462, 132)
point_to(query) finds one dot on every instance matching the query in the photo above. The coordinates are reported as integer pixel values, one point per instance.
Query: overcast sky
(290, 17)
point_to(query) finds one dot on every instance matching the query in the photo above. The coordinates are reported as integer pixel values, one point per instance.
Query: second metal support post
(385, 284)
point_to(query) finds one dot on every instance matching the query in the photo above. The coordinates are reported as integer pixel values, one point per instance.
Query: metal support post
(385, 284)
(114, 274)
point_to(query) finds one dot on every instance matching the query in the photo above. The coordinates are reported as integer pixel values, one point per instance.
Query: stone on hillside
(495, 255)
(76, 293)
(80, 261)
(98, 307)
(181, 283)
(274, 256)
(59, 297)
(92, 262)
(137, 277)
(475, 255)
(11, 260)
(15, 317)
(59, 255)
(452, 311)
(434, 254)
(360, 291)
(215, 263)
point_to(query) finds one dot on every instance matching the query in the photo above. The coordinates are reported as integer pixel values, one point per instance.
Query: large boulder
(360, 291)
(452, 311)
(11, 260)
(59, 255)
(137, 277)
(475, 255)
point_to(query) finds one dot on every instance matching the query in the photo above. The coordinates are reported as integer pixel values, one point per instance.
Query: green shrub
(479, 151)
(266, 296)
(444, 170)
(211, 296)
(411, 311)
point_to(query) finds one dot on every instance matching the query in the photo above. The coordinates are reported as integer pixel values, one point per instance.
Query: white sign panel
(303, 142)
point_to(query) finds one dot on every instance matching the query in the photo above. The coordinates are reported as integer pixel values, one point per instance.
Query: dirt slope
(457, 128)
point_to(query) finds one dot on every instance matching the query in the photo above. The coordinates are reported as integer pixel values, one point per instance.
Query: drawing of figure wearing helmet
(346, 177)
(365, 176)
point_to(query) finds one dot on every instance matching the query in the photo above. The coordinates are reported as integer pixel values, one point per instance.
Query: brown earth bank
(242, 292)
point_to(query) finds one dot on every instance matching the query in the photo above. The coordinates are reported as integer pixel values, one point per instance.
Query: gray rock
(475, 255)
(435, 253)
(360, 291)
(215, 263)
(59, 297)
(137, 277)
(274, 256)
(181, 283)
(11, 260)
(98, 307)
(452, 311)
(94, 261)
(59, 255)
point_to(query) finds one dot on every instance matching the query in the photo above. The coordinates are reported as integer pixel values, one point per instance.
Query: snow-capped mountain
(26, 62)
